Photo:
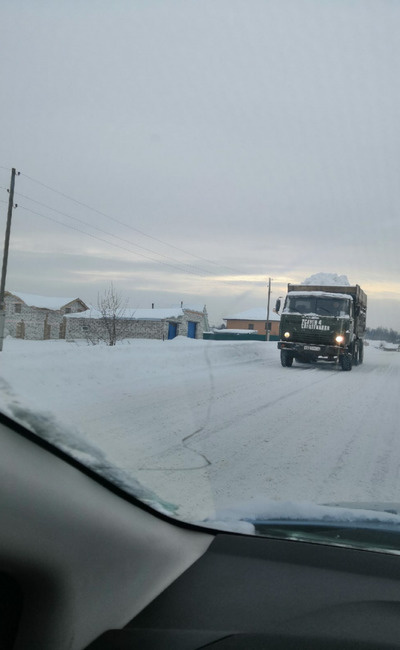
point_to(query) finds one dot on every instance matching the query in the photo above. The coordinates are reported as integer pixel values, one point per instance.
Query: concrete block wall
(145, 329)
(93, 329)
(36, 323)
(194, 317)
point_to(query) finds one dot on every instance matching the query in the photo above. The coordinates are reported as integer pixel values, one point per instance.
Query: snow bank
(230, 331)
(390, 347)
(383, 345)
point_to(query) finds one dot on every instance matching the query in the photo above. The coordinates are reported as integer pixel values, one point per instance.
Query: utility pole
(269, 299)
(5, 257)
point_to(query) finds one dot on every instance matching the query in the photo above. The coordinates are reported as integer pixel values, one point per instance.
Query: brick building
(166, 323)
(254, 319)
(34, 317)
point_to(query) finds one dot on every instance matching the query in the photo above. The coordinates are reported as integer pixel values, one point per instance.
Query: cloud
(263, 137)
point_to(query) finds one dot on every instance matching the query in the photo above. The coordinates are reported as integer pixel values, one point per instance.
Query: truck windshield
(338, 307)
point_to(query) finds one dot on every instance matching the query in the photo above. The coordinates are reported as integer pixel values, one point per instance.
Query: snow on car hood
(264, 509)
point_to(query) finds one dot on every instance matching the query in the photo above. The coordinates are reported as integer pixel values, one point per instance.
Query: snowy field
(208, 424)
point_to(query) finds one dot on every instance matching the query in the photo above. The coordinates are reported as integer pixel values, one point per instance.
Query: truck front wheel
(286, 359)
(346, 362)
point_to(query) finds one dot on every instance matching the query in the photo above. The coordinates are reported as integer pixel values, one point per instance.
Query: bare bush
(110, 324)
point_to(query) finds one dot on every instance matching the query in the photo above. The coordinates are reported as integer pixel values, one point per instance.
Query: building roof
(43, 302)
(256, 313)
(197, 308)
(139, 314)
(154, 314)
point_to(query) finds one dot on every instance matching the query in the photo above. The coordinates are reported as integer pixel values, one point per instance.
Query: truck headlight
(339, 338)
(286, 335)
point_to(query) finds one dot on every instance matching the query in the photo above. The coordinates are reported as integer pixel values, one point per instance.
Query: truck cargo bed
(355, 291)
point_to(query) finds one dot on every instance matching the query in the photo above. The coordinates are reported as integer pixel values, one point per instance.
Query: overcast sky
(199, 147)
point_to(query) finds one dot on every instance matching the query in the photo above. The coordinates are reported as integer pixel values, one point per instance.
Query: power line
(121, 223)
(104, 240)
(110, 234)
(110, 243)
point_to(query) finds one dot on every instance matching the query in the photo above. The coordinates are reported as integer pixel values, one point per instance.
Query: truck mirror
(278, 305)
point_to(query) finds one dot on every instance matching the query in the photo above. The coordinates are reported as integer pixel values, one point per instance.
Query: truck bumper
(309, 349)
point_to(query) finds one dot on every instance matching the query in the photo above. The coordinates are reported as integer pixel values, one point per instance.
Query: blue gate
(192, 329)
(172, 328)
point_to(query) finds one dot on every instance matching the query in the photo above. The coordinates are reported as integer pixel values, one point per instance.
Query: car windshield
(169, 173)
(307, 304)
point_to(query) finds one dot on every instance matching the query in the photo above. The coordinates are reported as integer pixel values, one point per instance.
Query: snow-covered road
(206, 423)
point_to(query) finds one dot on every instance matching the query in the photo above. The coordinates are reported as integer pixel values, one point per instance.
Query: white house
(29, 316)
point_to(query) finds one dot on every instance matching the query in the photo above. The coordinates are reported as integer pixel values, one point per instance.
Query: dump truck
(324, 323)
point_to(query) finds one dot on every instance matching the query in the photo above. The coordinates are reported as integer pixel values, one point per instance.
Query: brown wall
(259, 325)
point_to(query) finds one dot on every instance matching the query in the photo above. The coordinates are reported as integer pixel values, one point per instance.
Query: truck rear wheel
(355, 354)
(361, 351)
(346, 362)
(286, 359)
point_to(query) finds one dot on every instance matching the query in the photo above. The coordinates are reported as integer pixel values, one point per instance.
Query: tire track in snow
(185, 440)
(264, 407)
(367, 461)
(387, 463)
(202, 433)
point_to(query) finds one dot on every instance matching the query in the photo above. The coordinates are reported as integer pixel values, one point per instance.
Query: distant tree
(382, 334)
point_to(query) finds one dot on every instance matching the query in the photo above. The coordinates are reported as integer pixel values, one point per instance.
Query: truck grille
(312, 336)
(324, 334)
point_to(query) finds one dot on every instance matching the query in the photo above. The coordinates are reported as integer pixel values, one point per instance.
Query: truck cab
(323, 323)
